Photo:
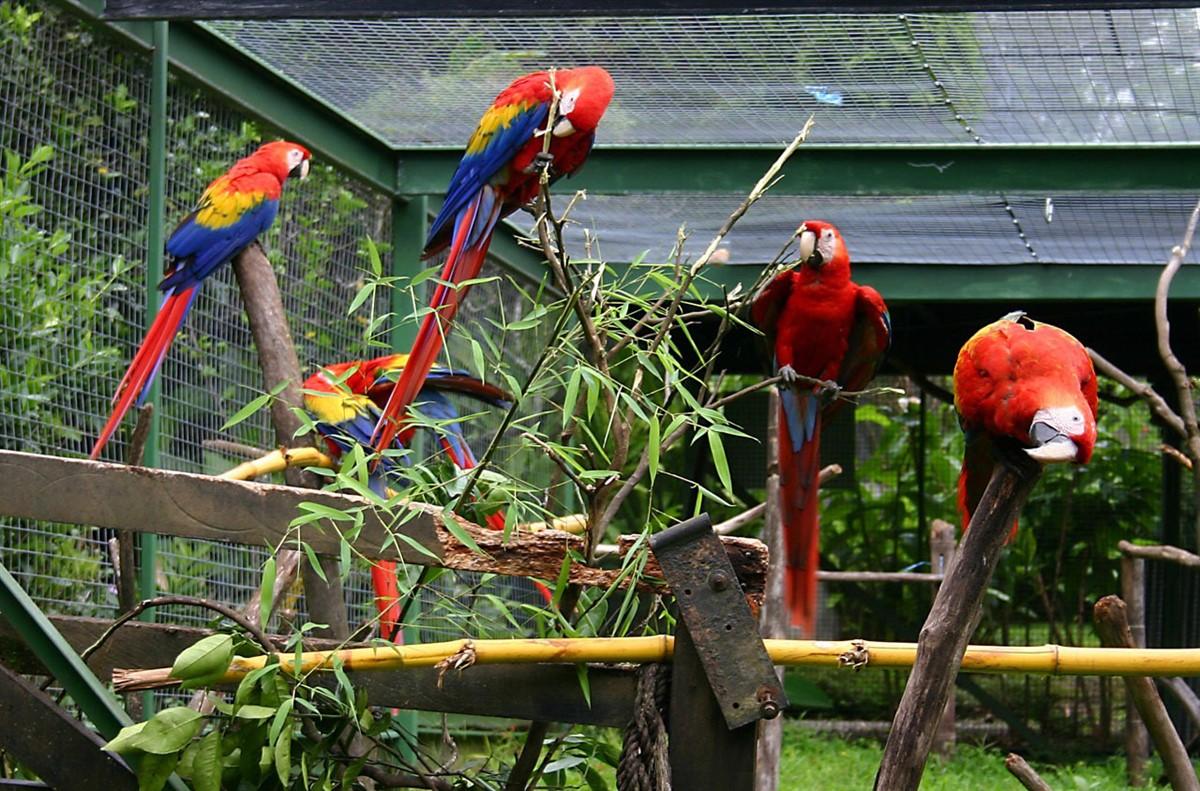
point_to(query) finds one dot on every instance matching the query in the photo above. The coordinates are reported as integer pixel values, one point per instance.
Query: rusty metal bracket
(714, 609)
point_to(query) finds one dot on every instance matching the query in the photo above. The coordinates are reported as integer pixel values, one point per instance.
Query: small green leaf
(266, 592)
(581, 673)
(169, 731)
(283, 757)
(373, 256)
(364, 293)
(450, 522)
(572, 395)
(125, 742)
(719, 461)
(312, 560)
(281, 718)
(154, 770)
(207, 765)
(653, 446)
(205, 659)
(477, 358)
(249, 409)
(253, 712)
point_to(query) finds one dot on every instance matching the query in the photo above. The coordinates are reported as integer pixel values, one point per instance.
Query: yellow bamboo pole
(1043, 659)
(277, 461)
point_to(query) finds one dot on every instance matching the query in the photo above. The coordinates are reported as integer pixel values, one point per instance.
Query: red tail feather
(462, 264)
(801, 529)
(146, 361)
(387, 599)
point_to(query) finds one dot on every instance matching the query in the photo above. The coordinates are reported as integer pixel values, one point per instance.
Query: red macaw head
(1031, 382)
(584, 96)
(282, 159)
(822, 249)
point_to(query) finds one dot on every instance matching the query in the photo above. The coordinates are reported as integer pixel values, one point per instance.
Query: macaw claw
(541, 160)
(828, 390)
(788, 374)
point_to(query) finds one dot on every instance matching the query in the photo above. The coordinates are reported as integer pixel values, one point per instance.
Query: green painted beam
(932, 283)
(854, 170)
(257, 89)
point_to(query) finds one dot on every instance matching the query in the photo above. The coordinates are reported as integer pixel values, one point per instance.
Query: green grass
(813, 761)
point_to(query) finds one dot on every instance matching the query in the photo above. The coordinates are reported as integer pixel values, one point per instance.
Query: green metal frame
(262, 92)
(853, 170)
(933, 283)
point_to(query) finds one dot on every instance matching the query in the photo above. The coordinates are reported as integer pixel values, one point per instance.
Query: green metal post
(154, 253)
(410, 221)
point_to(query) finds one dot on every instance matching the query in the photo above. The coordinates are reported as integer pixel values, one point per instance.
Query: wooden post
(773, 621)
(704, 753)
(277, 356)
(952, 620)
(1137, 739)
(942, 549)
(1112, 625)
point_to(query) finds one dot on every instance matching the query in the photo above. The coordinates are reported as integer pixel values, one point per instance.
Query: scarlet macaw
(498, 174)
(1021, 381)
(345, 399)
(825, 326)
(233, 210)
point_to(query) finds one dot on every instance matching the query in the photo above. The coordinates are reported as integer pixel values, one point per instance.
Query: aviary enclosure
(977, 158)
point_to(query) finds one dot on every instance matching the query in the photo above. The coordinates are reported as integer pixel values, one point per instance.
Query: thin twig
(251, 628)
(1158, 404)
(557, 458)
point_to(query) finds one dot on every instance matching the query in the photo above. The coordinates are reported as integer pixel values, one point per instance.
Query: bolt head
(769, 709)
(718, 581)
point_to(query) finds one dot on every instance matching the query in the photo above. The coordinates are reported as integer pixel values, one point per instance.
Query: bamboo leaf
(571, 396)
(255, 404)
(266, 592)
(653, 446)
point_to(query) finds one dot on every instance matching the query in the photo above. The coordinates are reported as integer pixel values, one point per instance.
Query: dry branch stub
(951, 622)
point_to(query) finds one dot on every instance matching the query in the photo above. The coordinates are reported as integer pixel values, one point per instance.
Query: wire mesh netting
(72, 307)
(1065, 228)
(1016, 77)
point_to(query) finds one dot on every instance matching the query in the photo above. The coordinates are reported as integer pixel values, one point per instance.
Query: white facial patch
(566, 101)
(826, 245)
(1052, 430)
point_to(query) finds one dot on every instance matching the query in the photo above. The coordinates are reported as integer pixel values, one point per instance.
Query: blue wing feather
(201, 250)
(477, 168)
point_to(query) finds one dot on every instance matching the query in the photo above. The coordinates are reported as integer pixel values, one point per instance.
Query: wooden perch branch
(951, 622)
(1160, 552)
(1158, 404)
(1113, 627)
(1183, 384)
(1021, 770)
(277, 357)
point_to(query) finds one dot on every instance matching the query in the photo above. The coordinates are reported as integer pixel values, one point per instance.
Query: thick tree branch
(1158, 405)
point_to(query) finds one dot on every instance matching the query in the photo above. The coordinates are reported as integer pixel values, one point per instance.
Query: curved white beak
(1052, 431)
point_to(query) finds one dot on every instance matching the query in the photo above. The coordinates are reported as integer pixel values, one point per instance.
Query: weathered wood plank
(537, 692)
(85, 492)
(53, 744)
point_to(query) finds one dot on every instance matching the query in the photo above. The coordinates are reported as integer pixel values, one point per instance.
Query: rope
(644, 764)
